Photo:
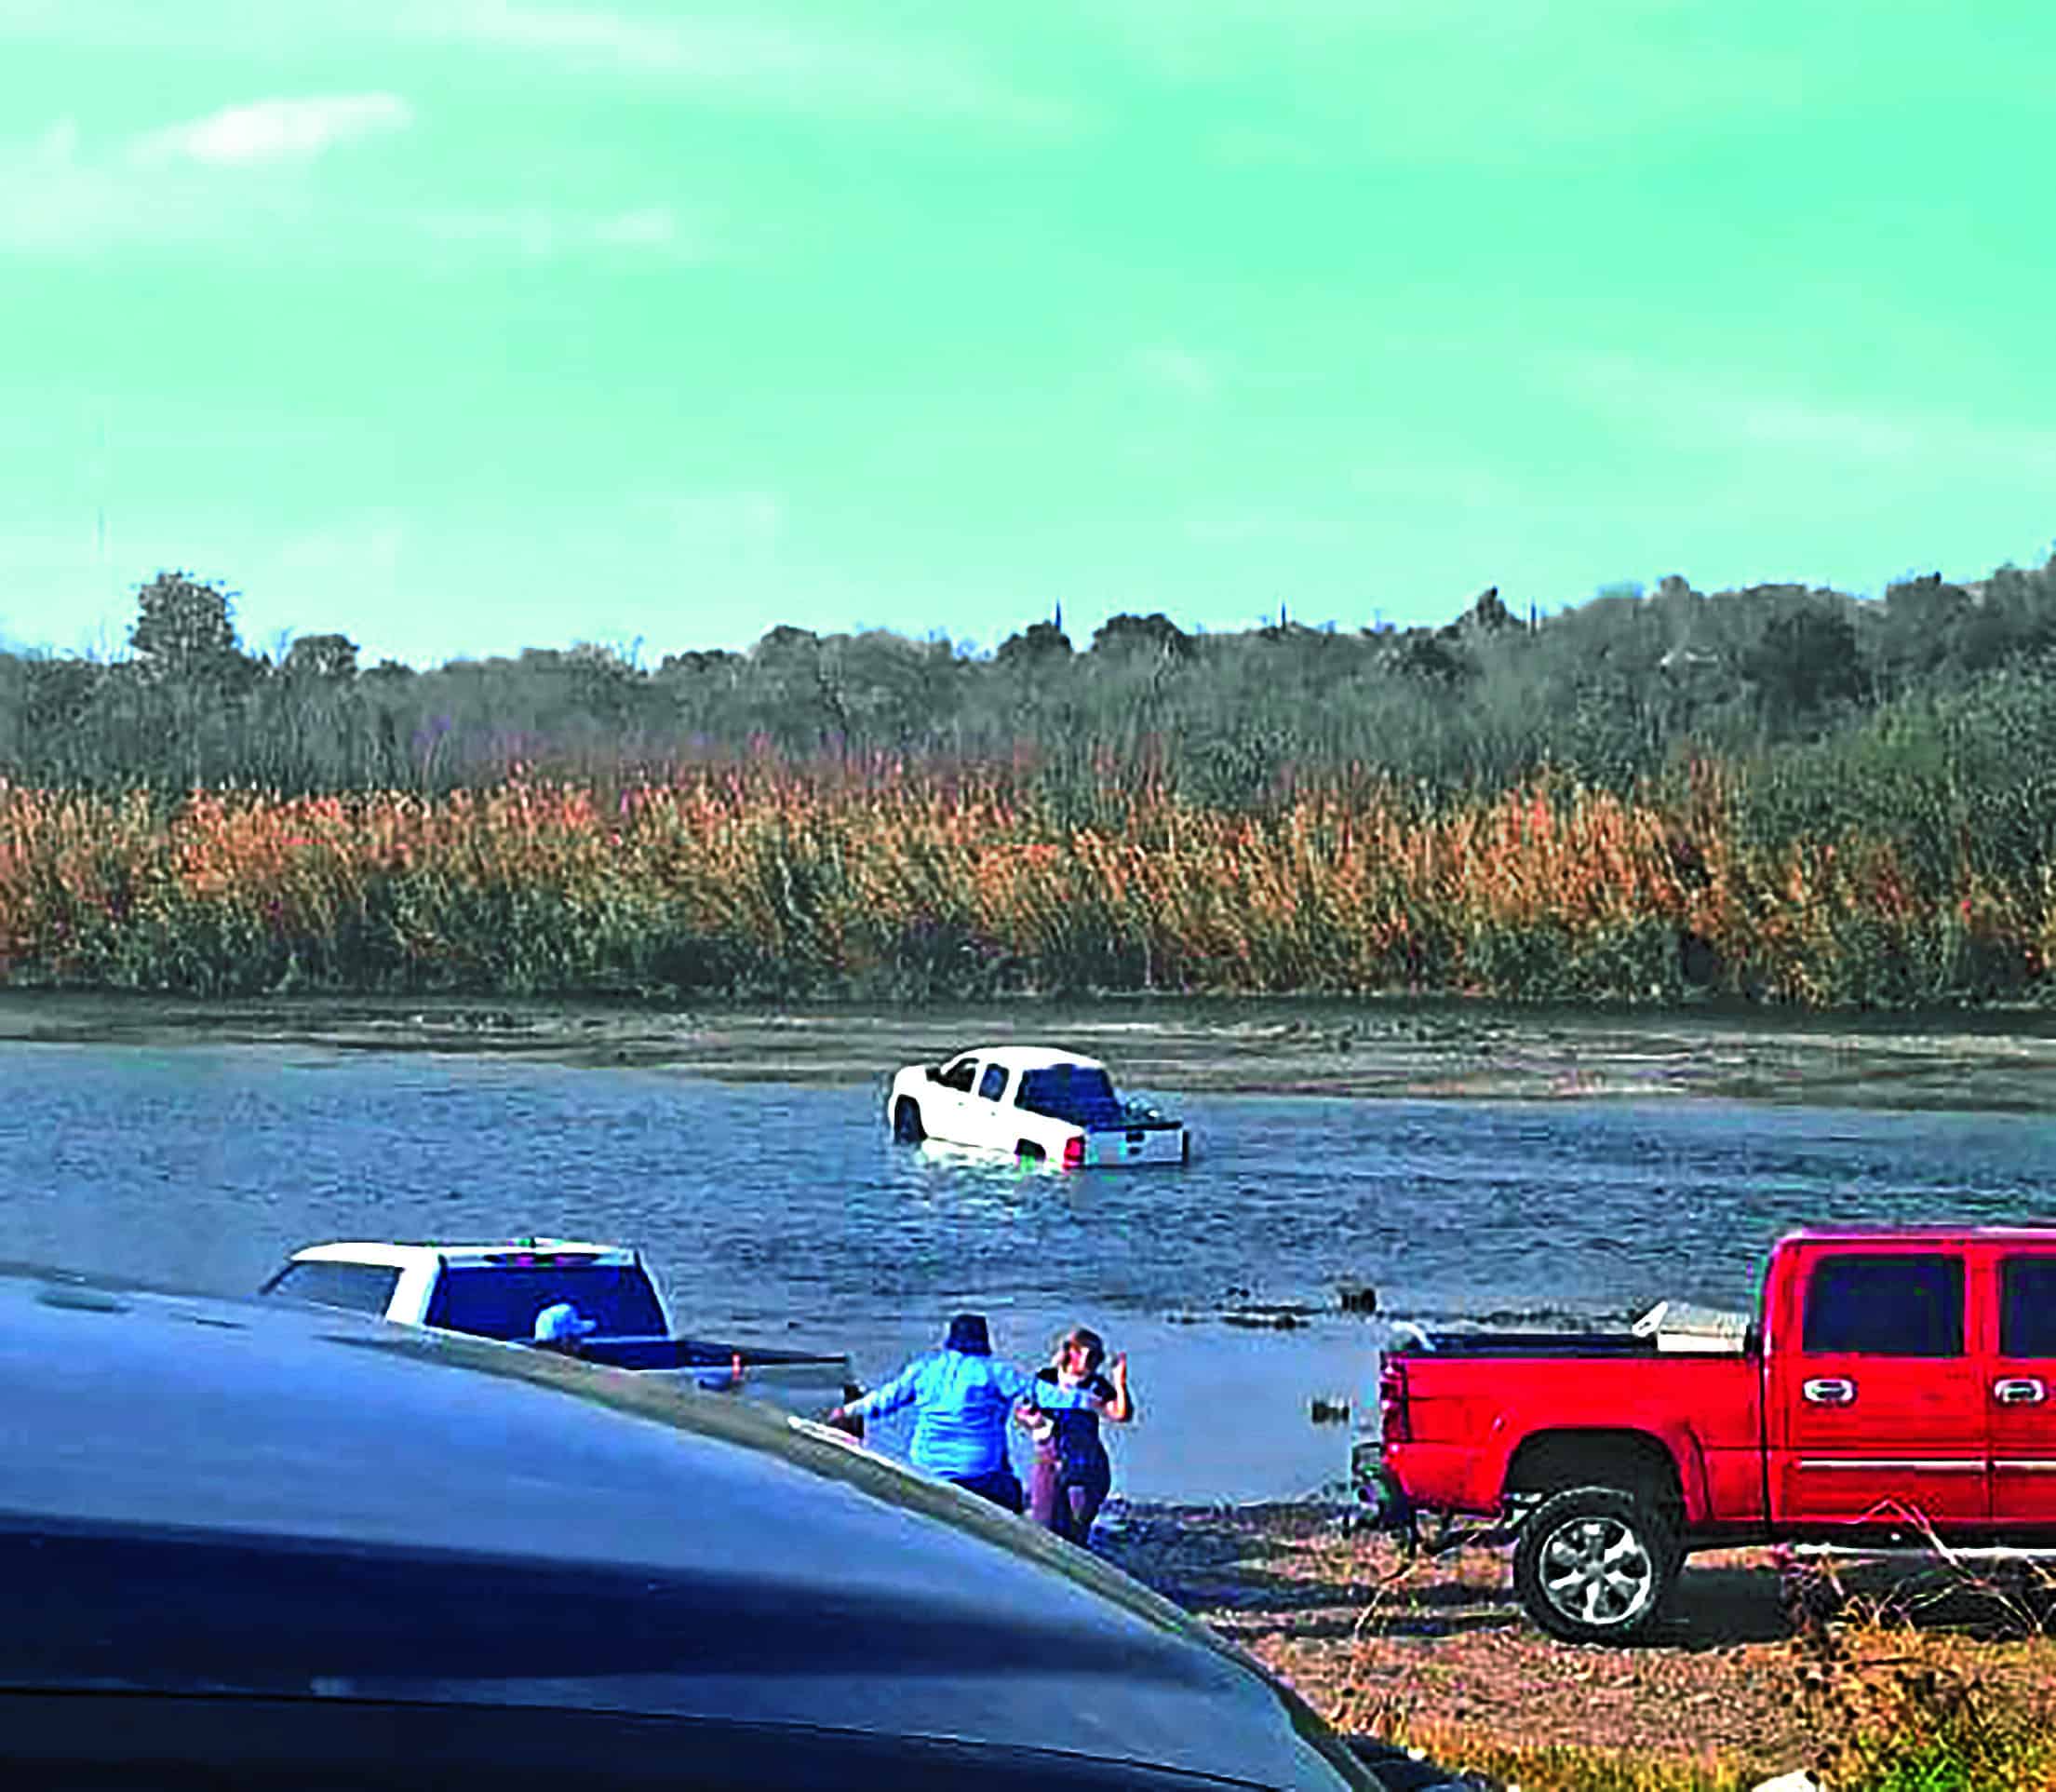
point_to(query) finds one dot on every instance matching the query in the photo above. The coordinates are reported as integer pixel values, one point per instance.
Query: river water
(784, 1213)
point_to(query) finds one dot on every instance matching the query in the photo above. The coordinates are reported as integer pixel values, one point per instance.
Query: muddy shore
(1392, 1050)
(1439, 1649)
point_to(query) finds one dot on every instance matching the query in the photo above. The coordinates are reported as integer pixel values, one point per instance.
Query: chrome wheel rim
(1597, 1570)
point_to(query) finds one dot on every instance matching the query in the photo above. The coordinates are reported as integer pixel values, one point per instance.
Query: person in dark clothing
(1071, 1476)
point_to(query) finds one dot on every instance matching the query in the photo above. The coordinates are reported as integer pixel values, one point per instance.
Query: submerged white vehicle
(1033, 1104)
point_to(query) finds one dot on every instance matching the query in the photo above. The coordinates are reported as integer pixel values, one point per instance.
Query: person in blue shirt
(962, 1400)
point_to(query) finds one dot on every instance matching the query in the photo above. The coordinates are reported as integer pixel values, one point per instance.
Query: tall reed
(755, 877)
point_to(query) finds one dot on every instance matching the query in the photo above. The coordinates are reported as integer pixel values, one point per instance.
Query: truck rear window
(1071, 1093)
(501, 1301)
(1880, 1305)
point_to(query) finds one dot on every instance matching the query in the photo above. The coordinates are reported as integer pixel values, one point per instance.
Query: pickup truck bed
(1476, 1436)
(802, 1382)
(695, 1354)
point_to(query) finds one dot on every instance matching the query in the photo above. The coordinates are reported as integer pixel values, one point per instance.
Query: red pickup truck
(1893, 1384)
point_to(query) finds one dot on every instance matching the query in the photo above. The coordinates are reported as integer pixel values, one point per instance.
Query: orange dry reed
(761, 878)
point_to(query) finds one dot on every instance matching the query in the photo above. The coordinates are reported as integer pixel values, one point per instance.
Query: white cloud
(1177, 370)
(743, 60)
(371, 545)
(60, 197)
(1468, 82)
(1690, 407)
(55, 201)
(1258, 529)
(58, 147)
(1410, 481)
(648, 227)
(573, 31)
(275, 130)
(724, 522)
(527, 230)
(539, 234)
(1244, 146)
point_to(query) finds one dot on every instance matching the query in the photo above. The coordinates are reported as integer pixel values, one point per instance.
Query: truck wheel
(1595, 1565)
(1027, 1152)
(906, 1126)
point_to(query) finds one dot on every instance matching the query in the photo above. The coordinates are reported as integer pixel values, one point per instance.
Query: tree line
(1627, 687)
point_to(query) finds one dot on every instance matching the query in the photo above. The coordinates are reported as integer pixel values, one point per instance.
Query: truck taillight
(1074, 1154)
(1393, 1421)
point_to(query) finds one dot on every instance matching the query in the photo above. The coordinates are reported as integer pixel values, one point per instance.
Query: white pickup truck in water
(616, 1316)
(1032, 1104)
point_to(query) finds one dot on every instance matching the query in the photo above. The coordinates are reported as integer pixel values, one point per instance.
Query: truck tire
(1595, 1564)
(1027, 1152)
(906, 1126)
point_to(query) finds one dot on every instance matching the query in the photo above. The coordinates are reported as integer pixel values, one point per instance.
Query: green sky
(461, 328)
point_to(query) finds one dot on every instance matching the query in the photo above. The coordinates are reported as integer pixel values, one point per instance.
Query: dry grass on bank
(1899, 1681)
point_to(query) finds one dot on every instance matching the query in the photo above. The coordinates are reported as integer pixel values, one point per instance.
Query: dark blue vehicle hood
(221, 1496)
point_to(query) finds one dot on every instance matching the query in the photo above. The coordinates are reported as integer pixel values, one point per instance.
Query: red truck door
(1877, 1397)
(2021, 1388)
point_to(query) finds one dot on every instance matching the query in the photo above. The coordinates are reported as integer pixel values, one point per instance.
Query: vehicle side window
(359, 1288)
(1896, 1305)
(957, 1076)
(993, 1084)
(2027, 1306)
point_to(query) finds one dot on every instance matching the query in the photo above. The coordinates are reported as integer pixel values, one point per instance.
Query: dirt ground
(1370, 1639)
(1371, 1048)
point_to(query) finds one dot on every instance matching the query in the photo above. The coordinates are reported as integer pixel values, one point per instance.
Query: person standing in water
(1072, 1476)
(960, 1398)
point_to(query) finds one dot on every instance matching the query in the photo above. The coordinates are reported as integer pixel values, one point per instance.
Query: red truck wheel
(1595, 1565)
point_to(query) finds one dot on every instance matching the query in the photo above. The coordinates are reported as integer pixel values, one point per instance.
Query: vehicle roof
(320, 1503)
(1922, 1234)
(405, 1256)
(1026, 1057)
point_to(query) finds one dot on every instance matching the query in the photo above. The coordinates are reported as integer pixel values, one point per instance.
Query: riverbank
(1412, 1050)
(1440, 1653)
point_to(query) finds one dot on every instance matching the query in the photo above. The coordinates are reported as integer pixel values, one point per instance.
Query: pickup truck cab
(1033, 1104)
(1893, 1389)
(499, 1290)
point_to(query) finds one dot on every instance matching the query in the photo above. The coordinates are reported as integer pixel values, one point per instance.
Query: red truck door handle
(1829, 1390)
(2018, 1390)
